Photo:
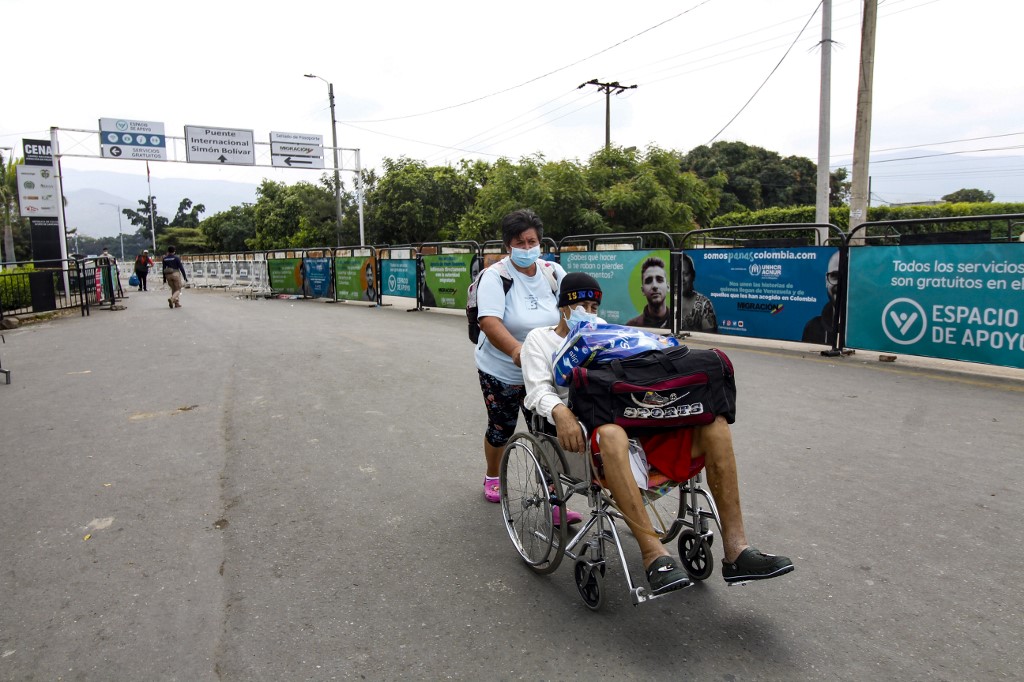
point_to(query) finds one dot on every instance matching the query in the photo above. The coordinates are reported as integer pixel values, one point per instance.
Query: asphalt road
(291, 490)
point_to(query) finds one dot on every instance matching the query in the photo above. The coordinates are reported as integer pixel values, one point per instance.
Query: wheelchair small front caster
(590, 582)
(695, 553)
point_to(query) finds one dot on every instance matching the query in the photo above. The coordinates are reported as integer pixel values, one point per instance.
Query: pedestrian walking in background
(174, 276)
(142, 265)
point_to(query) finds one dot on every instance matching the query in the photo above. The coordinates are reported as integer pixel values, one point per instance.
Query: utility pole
(607, 89)
(334, 141)
(860, 188)
(821, 204)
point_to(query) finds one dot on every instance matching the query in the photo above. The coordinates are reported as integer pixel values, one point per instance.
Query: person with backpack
(513, 296)
(142, 265)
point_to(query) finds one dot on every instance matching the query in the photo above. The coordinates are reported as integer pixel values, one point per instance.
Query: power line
(786, 54)
(537, 78)
(478, 142)
(935, 144)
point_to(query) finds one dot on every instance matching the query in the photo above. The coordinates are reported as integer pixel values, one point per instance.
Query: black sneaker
(753, 564)
(664, 576)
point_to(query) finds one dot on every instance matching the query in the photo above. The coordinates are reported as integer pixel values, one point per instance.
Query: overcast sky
(446, 80)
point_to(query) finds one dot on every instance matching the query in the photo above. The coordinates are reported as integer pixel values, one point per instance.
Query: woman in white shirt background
(505, 320)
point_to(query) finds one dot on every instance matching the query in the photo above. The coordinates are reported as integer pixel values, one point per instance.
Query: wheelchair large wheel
(663, 511)
(528, 491)
(695, 553)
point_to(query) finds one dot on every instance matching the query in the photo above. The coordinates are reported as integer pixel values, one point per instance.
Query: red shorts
(669, 451)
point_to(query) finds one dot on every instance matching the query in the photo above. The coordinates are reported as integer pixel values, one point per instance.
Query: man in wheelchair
(579, 299)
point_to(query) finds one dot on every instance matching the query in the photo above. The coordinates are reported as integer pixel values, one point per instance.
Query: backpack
(473, 310)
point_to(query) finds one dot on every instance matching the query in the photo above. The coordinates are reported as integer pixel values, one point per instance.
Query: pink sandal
(571, 517)
(492, 490)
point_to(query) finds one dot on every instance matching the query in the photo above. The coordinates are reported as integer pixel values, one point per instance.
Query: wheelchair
(537, 476)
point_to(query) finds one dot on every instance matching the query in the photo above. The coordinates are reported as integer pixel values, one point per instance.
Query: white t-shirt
(542, 393)
(530, 303)
(537, 358)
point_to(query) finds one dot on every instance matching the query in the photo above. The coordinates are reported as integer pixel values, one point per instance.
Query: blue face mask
(524, 258)
(578, 315)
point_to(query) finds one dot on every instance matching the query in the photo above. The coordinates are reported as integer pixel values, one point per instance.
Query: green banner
(447, 277)
(285, 275)
(355, 277)
(627, 298)
(953, 301)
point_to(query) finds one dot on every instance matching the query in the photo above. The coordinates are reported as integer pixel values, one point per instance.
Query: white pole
(821, 215)
(359, 197)
(152, 224)
(120, 233)
(61, 223)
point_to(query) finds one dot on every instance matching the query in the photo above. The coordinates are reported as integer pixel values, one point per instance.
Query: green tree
(505, 187)
(969, 196)
(183, 239)
(293, 216)
(230, 230)
(650, 191)
(140, 218)
(415, 203)
(187, 215)
(839, 188)
(13, 224)
(757, 178)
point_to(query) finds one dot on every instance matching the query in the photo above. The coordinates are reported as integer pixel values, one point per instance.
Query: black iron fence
(82, 283)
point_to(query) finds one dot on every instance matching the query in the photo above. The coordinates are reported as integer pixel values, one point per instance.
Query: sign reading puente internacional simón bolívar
(222, 146)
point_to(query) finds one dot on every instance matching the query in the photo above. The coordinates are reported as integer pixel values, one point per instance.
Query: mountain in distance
(88, 194)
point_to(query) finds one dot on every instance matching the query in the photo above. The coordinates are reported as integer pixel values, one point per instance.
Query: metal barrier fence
(941, 287)
(918, 287)
(83, 283)
(783, 281)
(245, 271)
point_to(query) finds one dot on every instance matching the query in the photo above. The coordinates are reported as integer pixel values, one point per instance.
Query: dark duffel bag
(670, 388)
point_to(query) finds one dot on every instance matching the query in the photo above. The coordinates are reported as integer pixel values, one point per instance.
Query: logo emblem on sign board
(904, 321)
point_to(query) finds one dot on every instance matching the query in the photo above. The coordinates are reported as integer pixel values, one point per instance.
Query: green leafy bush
(14, 288)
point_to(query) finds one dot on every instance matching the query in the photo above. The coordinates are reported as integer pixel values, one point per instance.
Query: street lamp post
(334, 142)
(120, 235)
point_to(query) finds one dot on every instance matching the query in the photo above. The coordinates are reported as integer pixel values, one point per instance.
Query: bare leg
(619, 478)
(493, 455)
(714, 442)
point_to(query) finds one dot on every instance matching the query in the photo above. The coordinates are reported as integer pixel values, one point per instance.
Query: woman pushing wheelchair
(579, 299)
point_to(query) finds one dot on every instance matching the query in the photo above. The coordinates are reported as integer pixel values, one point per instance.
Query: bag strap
(663, 360)
(545, 267)
(549, 271)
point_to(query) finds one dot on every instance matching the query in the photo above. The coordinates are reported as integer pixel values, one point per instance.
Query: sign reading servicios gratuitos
(959, 302)
(122, 138)
(224, 146)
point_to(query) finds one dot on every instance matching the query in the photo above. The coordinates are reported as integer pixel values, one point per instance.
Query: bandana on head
(577, 287)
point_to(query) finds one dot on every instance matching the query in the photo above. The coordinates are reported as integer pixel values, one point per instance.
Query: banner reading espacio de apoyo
(398, 277)
(355, 278)
(446, 279)
(769, 293)
(959, 302)
(620, 274)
